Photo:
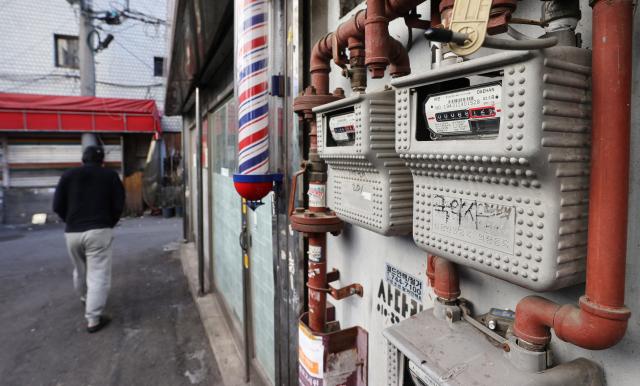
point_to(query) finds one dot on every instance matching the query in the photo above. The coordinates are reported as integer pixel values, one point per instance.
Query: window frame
(56, 37)
(155, 59)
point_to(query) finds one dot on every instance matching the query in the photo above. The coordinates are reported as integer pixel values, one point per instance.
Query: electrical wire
(534, 44)
(517, 35)
(38, 78)
(134, 55)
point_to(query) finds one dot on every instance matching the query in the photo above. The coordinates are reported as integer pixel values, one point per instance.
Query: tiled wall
(227, 260)
(263, 287)
(27, 63)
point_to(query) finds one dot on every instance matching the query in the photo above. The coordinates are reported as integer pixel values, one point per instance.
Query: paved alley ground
(156, 336)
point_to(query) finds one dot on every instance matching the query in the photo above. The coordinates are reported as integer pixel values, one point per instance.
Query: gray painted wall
(360, 255)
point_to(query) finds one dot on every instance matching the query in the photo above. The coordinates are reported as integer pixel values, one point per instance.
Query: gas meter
(499, 150)
(371, 186)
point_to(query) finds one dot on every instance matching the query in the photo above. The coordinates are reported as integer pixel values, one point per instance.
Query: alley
(156, 336)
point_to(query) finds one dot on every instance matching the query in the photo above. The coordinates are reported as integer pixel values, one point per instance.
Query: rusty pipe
(376, 31)
(536, 316)
(318, 284)
(353, 28)
(610, 136)
(601, 321)
(447, 284)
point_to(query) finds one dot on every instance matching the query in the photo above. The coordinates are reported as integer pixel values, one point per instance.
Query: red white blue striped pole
(253, 181)
(253, 87)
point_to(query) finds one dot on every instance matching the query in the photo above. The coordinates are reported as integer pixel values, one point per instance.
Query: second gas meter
(499, 149)
(369, 184)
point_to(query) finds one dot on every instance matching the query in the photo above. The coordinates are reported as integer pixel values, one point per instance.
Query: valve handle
(243, 239)
(442, 35)
(470, 17)
(292, 197)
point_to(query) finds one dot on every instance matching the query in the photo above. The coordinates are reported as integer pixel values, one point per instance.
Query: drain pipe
(601, 321)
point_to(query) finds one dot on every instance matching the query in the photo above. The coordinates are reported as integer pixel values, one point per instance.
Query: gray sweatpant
(91, 253)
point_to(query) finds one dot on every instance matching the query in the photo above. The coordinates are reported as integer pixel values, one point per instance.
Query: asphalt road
(156, 336)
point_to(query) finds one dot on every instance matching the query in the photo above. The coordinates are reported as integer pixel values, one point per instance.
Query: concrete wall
(360, 255)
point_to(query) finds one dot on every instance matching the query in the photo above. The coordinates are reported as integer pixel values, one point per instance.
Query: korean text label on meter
(456, 112)
(342, 127)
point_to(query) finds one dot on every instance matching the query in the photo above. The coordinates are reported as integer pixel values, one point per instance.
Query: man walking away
(90, 199)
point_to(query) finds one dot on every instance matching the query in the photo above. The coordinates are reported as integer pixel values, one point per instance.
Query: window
(66, 50)
(158, 64)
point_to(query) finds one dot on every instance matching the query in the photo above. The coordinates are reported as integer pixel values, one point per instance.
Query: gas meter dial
(370, 185)
(499, 152)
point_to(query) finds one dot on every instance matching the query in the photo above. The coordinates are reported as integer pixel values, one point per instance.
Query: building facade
(40, 48)
(266, 286)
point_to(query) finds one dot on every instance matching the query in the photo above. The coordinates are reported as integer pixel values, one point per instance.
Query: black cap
(93, 154)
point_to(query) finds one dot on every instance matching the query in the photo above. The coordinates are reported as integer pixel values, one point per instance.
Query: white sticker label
(255, 220)
(453, 113)
(311, 358)
(315, 253)
(342, 127)
(366, 195)
(405, 282)
(224, 172)
(316, 194)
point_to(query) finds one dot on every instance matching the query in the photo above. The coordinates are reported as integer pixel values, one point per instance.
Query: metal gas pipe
(601, 321)
(443, 277)
(358, 35)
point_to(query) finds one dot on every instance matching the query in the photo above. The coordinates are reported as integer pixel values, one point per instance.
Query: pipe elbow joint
(400, 63)
(534, 319)
(591, 326)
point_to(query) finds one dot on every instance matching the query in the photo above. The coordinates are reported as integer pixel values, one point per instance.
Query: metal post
(5, 161)
(186, 214)
(200, 203)
(87, 65)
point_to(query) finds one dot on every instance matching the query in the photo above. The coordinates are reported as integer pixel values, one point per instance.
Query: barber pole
(252, 80)
(253, 87)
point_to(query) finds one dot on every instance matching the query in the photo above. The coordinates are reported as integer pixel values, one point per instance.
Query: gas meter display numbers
(452, 115)
(472, 110)
(343, 128)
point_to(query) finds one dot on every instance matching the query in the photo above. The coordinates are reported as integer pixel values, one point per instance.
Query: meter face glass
(472, 112)
(343, 129)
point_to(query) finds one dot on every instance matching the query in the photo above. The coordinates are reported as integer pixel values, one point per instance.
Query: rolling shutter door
(39, 161)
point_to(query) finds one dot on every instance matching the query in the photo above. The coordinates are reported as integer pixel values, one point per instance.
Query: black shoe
(103, 323)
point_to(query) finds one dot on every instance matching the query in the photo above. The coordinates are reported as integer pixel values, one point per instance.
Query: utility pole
(87, 65)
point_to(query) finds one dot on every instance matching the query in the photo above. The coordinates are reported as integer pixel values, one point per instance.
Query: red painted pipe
(431, 270)
(601, 321)
(355, 28)
(610, 136)
(318, 279)
(447, 280)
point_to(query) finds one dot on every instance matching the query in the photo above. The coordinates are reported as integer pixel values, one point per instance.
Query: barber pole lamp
(253, 182)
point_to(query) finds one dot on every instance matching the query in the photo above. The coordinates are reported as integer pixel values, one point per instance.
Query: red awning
(26, 112)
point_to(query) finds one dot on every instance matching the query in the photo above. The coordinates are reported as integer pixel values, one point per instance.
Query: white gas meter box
(370, 185)
(499, 150)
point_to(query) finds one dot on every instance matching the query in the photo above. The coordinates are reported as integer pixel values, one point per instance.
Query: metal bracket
(332, 276)
(345, 292)
(339, 293)
(353, 289)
